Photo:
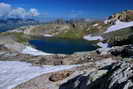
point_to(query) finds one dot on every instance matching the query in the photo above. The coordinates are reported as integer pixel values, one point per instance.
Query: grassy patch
(72, 34)
(98, 30)
(19, 37)
(78, 33)
(119, 35)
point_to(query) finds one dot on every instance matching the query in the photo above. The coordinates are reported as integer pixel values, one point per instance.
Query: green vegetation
(78, 32)
(19, 37)
(72, 34)
(120, 35)
(99, 29)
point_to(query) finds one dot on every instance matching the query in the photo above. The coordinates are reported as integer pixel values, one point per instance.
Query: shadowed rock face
(115, 76)
(125, 51)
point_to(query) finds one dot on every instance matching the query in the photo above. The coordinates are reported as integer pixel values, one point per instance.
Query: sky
(44, 9)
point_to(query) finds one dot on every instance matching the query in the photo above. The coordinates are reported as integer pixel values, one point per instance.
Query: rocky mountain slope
(124, 16)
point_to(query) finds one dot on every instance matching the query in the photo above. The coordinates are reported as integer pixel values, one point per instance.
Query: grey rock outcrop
(123, 51)
(115, 76)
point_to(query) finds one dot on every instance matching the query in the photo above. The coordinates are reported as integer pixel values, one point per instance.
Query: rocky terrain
(115, 76)
(124, 16)
(104, 68)
(111, 75)
(66, 29)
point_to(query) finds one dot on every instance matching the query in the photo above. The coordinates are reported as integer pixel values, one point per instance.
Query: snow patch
(104, 51)
(103, 45)
(119, 25)
(13, 73)
(33, 51)
(106, 21)
(95, 25)
(91, 38)
(47, 35)
(119, 22)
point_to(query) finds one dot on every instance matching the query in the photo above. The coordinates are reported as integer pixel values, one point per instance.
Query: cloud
(34, 12)
(18, 12)
(6, 10)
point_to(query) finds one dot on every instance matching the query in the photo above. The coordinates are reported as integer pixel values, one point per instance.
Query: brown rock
(60, 76)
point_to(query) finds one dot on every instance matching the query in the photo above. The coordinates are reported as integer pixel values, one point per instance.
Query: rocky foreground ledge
(105, 68)
(117, 75)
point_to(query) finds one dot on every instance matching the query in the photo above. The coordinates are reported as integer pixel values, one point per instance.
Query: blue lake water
(62, 46)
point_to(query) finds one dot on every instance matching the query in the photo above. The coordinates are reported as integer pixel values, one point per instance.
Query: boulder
(60, 76)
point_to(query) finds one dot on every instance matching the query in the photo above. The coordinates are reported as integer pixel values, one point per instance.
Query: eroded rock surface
(62, 78)
(115, 76)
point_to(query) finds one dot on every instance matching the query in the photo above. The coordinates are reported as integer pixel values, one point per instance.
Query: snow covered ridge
(33, 51)
(92, 38)
(119, 26)
(13, 73)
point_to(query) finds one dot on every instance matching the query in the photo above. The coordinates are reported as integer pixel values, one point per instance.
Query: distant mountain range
(12, 23)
